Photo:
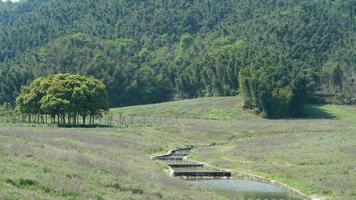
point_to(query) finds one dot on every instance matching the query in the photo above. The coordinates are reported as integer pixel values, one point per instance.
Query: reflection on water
(243, 189)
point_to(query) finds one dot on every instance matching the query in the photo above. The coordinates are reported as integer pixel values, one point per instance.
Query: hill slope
(228, 109)
(213, 108)
(177, 49)
(315, 156)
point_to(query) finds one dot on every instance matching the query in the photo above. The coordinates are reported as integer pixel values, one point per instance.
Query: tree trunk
(64, 119)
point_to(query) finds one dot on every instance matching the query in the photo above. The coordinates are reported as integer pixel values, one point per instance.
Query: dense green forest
(158, 50)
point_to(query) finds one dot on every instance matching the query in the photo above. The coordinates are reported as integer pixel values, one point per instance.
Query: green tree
(29, 100)
(277, 92)
(337, 77)
(65, 97)
(192, 48)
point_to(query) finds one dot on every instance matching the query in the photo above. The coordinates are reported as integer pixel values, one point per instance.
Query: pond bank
(182, 168)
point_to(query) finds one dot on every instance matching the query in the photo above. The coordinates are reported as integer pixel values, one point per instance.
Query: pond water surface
(230, 188)
(244, 189)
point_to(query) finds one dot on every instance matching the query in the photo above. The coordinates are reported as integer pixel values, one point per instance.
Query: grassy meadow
(315, 155)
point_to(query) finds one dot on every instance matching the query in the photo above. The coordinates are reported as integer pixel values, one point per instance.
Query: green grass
(55, 163)
(330, 111)
(212, 108)
(315, 155)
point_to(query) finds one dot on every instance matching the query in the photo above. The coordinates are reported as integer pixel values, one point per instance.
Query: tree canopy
(64, 96)
(158, 50)
(277, 92)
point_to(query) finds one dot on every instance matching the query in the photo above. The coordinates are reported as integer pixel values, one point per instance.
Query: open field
(315, 155)
(52, 163)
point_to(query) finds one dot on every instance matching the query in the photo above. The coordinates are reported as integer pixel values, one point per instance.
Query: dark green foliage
(133, 189)
(277, 92)
(337, 76)
(64, 95)
(22, 183)
(158, 50)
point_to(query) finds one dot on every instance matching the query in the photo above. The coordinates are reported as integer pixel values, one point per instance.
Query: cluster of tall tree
(157, 50)
(276, 92)
(66, 98)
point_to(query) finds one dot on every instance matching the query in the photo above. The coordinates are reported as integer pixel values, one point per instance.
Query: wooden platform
(186, 169)
(169, 158)
(183, 165)
(180, 154)
(203, 174)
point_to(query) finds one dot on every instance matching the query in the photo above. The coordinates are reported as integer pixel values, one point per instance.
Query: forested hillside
(157, 50)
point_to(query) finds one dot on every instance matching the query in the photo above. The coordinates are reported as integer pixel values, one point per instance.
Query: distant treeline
(158, 50)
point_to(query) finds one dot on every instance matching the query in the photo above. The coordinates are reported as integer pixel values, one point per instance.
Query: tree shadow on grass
(84, 126)
(317, 112)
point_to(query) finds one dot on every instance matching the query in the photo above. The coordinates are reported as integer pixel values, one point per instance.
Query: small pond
(244, 189)
(218, 180)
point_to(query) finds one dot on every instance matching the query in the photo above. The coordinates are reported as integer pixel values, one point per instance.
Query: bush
(22, 182)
